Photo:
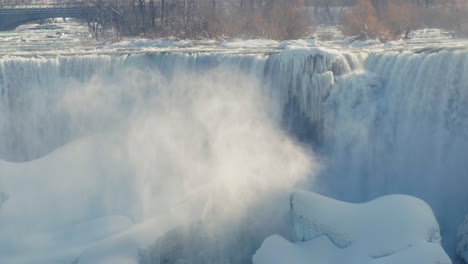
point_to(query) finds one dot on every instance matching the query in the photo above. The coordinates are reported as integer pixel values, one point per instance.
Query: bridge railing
(4, 5)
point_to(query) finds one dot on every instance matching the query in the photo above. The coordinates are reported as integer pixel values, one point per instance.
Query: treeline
(277, 19)
(391, 19)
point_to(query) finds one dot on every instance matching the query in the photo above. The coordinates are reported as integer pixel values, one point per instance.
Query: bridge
(12, 17)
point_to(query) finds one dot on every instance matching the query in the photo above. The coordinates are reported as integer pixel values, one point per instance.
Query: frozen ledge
(391, 229)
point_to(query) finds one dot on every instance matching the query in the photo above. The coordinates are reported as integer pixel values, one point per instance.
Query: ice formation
(401, 126)
(33, 123)
(462, 246)
(161, 43)
(390, 229)
(250, 43)
(298, 43)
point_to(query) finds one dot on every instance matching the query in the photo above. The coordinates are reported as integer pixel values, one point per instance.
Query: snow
(83, 206)
(390, 229)
(462, 246)
(123, 247)
(208, 42)
(313, 41)
(363, 43)
(298, 43)
(289, 44)
(250, 43)
(53, 217)
(389, 44)
(167, 42)
(429, 32)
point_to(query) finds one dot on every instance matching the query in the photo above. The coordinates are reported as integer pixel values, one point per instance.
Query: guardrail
(61, 4)
(47, 10)
(45, 5)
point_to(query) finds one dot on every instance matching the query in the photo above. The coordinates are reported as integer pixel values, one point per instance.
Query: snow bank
(313, 41)
(462, 247)
(298, 43)
(389, 44)
(83, 210)
(290, 44)
(235, 44)
(251, 43)
(391, 229)
(428, 32)
(169, 42)
(356, 42)
(363, 43)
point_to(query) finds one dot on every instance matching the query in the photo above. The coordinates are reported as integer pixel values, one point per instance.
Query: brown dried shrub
(361, 20)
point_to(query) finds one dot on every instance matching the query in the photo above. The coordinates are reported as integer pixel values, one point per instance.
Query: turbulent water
(142, 139)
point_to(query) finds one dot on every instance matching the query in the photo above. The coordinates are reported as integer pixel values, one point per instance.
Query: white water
(402, 127)
(114, 133)
(37, 120)
(121, 141)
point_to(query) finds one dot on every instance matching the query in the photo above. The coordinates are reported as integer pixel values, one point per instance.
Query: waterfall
(386, 122)
(400, 125)
(35, 122)
(146, 142)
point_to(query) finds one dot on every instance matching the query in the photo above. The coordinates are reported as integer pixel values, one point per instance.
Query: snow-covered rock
(290, 44)
(207, 42)
(427, 32)
(390, 229)
(161, 43)
(389, 44)
(363, 43)
(250, 43)
(313, 41)
(299, 43)
(462, 246)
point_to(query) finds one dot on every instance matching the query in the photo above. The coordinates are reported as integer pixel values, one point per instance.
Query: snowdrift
(391, 229)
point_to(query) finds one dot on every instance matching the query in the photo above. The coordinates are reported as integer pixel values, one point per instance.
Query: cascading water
(35, 121)
(401, 126)
(123, 140)
(390, 122)
(32, 121)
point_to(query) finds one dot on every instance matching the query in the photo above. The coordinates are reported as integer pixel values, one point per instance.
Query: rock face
(462, 247)
(390, 229)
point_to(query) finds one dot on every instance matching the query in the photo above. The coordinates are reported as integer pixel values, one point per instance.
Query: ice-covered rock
(250, 43)
(428, 32)
(362, 43)
(161, 43)
(298, 43)
(207, 42)
(462, 246)
(389, 44)
(313, 41)
(390, 229)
